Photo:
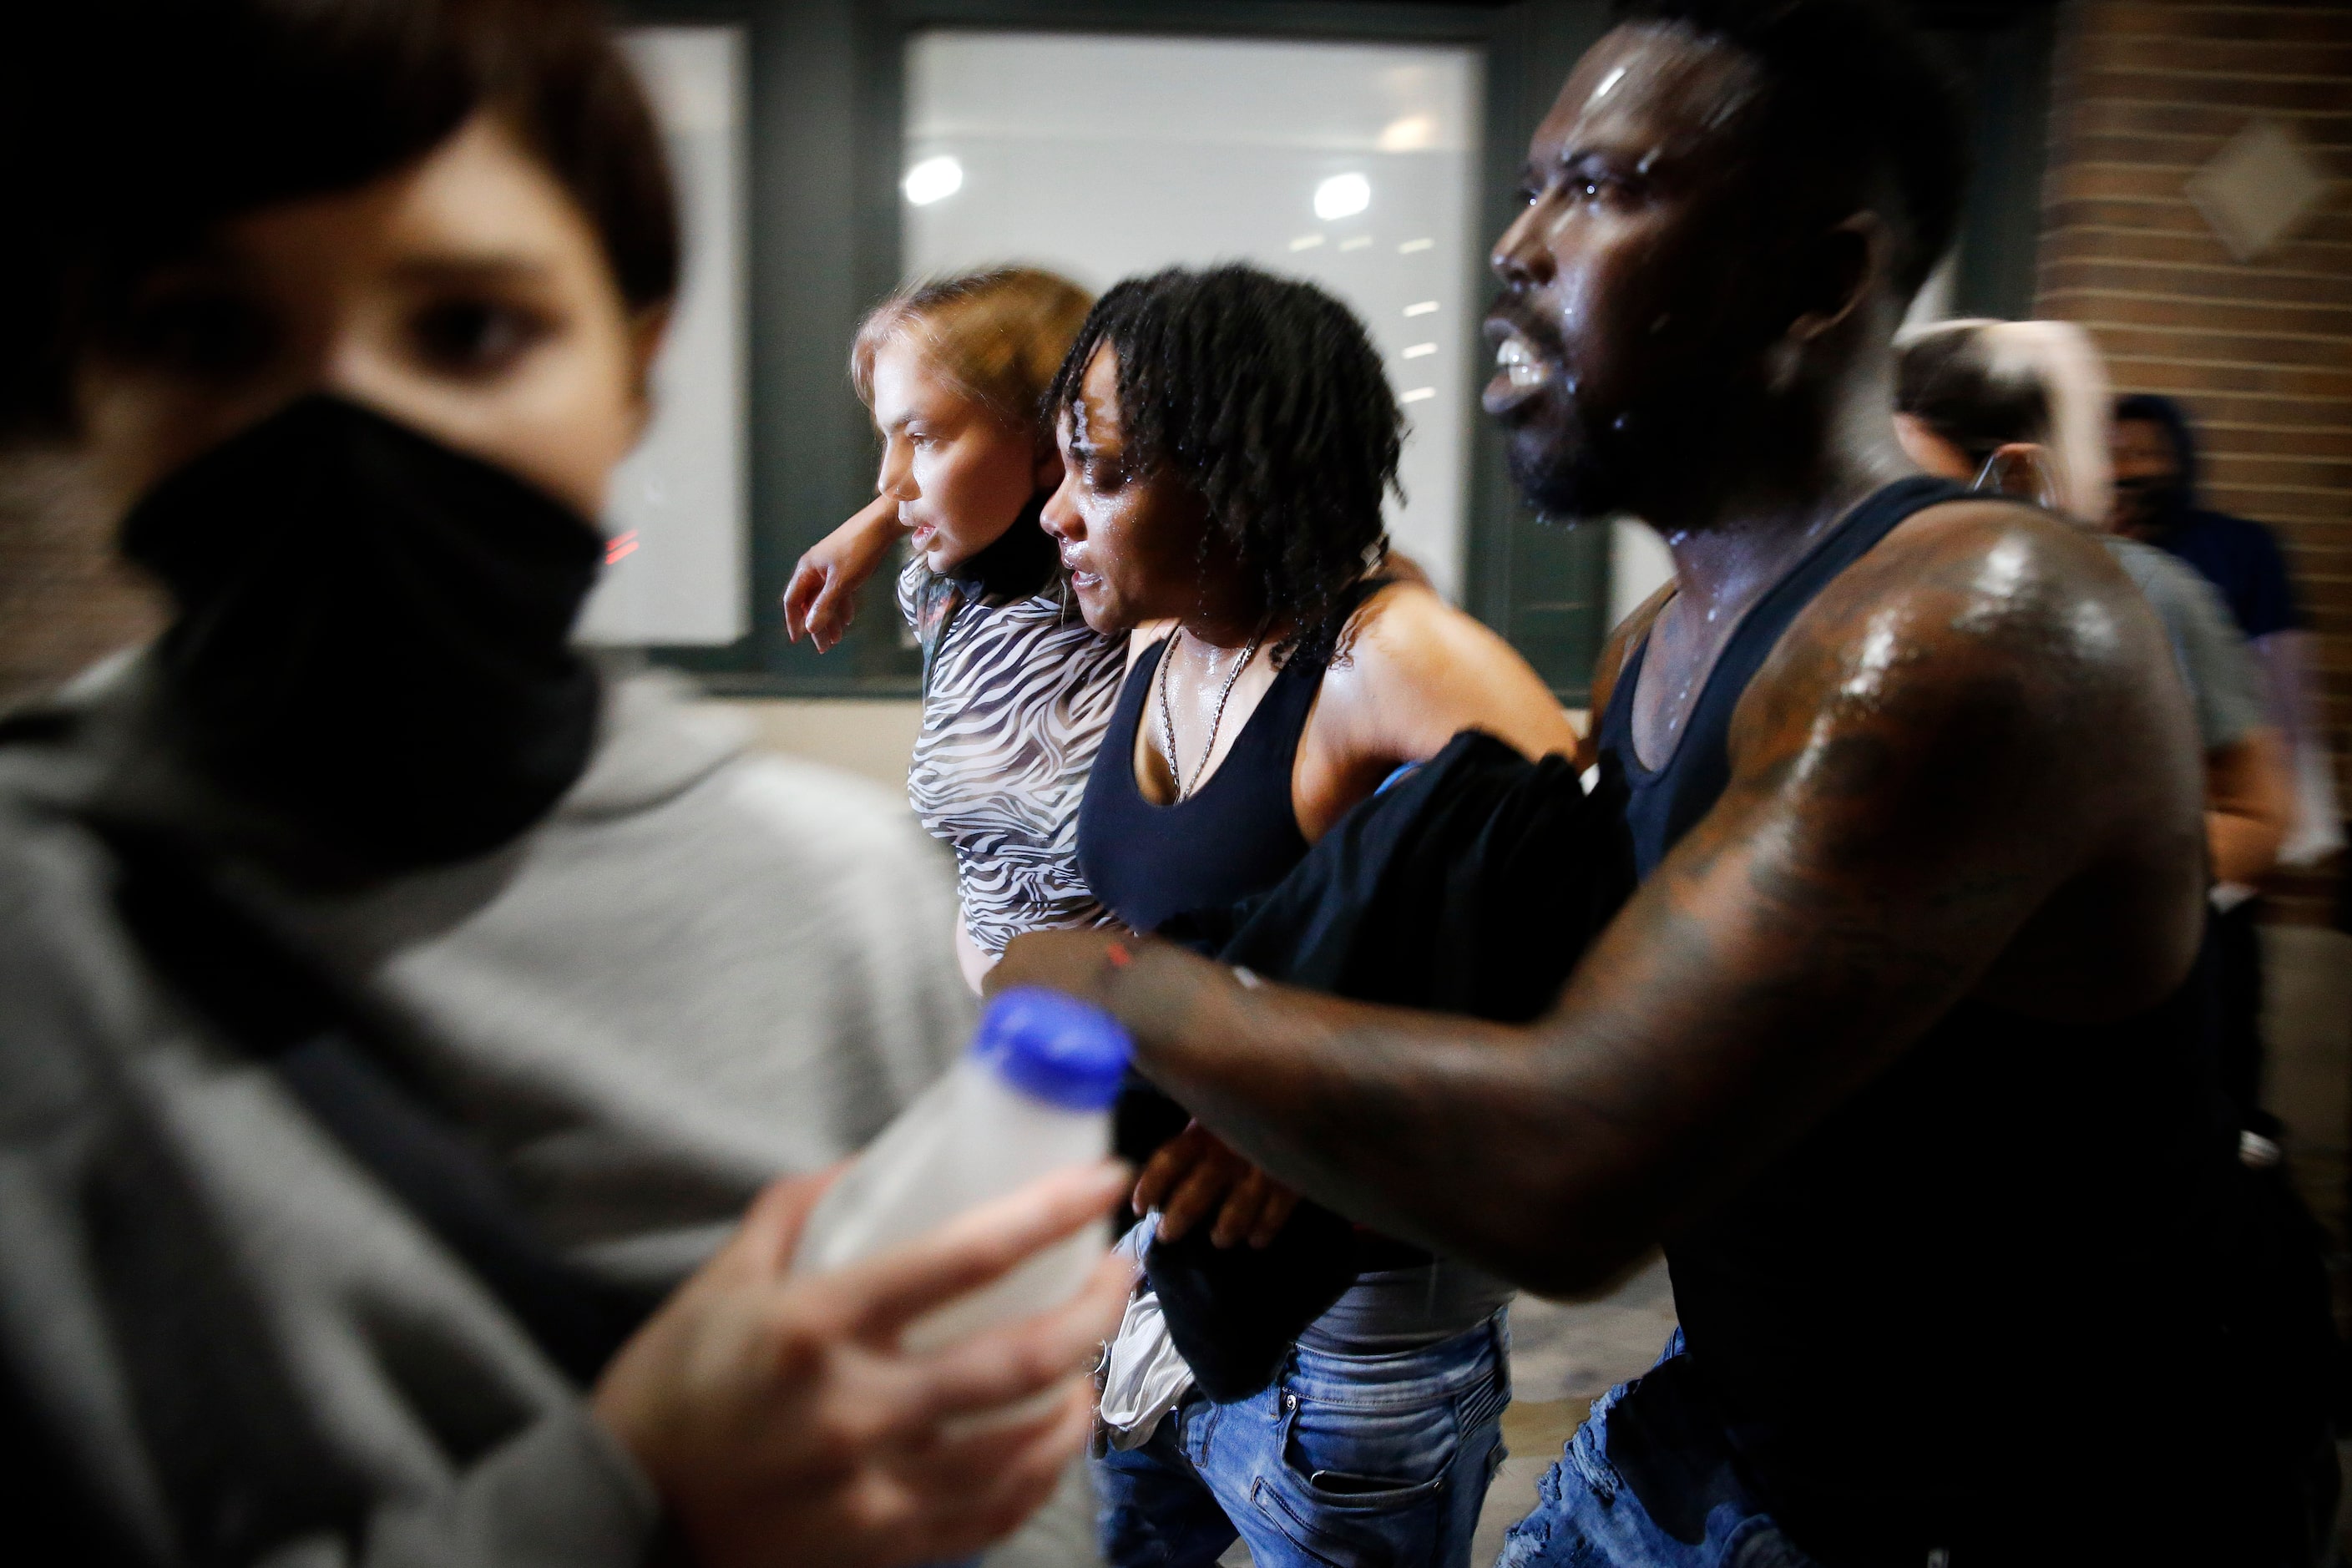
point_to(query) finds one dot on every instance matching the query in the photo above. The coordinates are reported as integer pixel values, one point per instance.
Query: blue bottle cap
(1053, 1046)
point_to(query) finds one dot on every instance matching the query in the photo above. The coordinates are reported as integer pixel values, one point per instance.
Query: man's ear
(648, 330)
(1845, 265)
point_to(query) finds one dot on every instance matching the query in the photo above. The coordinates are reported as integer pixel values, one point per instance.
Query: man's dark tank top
(1970, 1279)
(1236, 835)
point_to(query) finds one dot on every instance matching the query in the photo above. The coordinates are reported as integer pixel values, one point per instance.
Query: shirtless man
(1897, 1048)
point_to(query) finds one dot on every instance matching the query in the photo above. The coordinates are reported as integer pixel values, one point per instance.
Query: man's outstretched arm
(1951, 748)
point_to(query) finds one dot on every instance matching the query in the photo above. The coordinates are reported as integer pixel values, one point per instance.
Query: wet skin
(1962, 772)
(1416, 672)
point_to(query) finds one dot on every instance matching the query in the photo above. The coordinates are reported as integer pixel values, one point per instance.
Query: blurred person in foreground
(406, 1018)
(2022, 409)
(1897, 1046)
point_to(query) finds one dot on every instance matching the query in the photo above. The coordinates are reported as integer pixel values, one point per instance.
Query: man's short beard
(1573, 463)
(1563, 472)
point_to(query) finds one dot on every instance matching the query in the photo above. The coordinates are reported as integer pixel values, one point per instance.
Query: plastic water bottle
(1030, 1096)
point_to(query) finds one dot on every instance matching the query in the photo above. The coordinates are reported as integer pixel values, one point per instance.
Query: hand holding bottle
(783, 1417)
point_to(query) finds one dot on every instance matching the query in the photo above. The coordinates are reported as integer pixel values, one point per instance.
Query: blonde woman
(1016, 688)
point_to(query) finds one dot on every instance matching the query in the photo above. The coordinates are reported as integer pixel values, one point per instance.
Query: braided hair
(1265, 397)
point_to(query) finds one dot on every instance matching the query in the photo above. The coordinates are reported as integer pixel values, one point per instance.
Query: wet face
(466, 296)
(1630, 309)
(1131, 541)
(2148, 471)
(961, 473)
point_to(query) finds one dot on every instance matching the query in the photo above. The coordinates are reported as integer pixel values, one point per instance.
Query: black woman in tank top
(1232, 834)
(1227, 439)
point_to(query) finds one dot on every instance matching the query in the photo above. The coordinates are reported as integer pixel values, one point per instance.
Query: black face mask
(374, 636)
(2155, 503)
(1019, 563)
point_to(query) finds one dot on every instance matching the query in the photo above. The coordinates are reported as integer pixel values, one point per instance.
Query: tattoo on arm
(1928, 757)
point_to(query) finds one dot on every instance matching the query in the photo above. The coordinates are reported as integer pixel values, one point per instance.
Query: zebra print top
(1015, 696)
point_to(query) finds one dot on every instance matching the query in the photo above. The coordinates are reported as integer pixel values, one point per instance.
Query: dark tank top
(1235, 835)
(1962, 1289)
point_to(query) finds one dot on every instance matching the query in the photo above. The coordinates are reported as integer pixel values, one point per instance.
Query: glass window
(1355, 165)
(677, 518)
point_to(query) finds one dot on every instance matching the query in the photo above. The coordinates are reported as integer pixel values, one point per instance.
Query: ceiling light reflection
(932, 180)
(1408, 135)
(1342, 196)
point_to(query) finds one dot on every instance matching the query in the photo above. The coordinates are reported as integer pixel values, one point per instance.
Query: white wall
(676, 566)
(875, 739)
(1639, 566)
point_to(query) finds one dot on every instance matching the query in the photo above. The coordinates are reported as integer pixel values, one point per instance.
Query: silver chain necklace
(1167, 724)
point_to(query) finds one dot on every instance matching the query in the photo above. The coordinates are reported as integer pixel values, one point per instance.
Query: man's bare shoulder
(1970, 592)
(1983, 712)
(1975, 528)
(1984, 655)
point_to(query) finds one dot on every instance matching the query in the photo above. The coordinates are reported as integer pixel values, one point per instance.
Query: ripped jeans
(1344, 1461)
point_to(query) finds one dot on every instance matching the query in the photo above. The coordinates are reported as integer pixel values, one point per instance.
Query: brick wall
(65, 599)
(2261, 353)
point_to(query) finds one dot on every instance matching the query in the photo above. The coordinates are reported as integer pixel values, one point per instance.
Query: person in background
(2022, 409)
(1016, 687)
(2155, 467)
(408, 1019)
(1227, 440)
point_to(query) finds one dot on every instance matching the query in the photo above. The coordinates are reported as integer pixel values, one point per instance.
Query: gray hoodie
(707, 968)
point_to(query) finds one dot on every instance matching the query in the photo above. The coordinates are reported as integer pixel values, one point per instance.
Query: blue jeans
(1346, 1461)
(1588, 1516)
(1650, 1481)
